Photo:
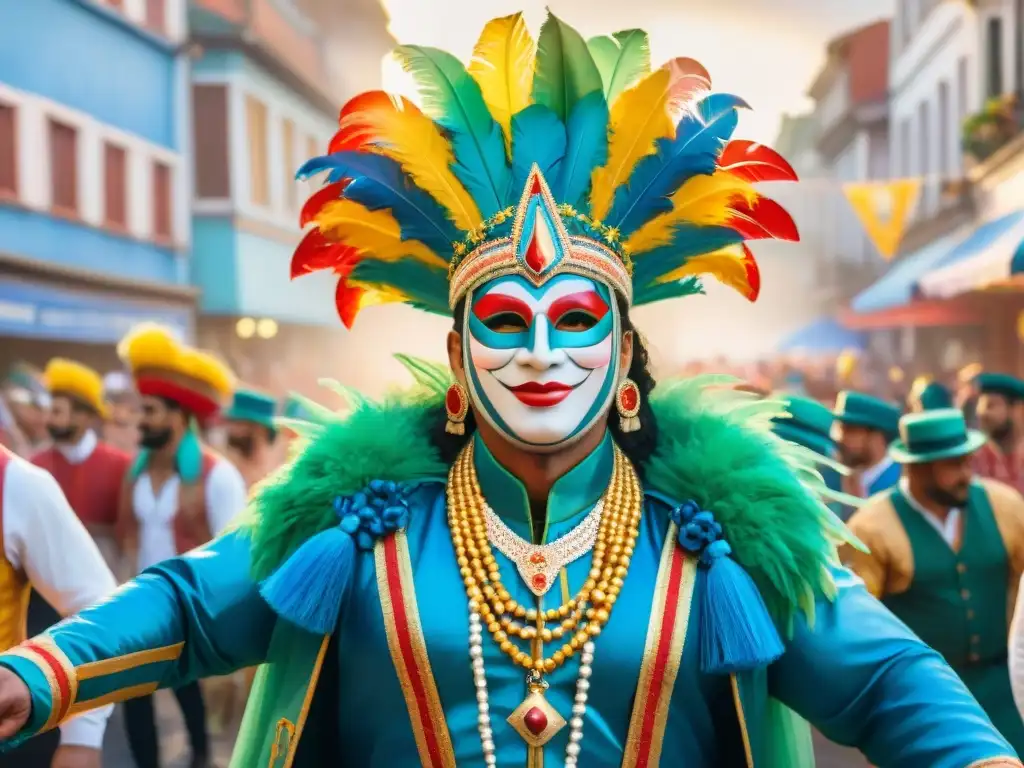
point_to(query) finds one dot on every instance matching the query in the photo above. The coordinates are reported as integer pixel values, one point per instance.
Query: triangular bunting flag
(884, 208)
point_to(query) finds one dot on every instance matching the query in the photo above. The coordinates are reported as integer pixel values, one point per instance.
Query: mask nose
(538, 353)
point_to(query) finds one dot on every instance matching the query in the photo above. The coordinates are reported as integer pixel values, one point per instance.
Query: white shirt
(949, 529)
(45, 539)
(871, 474)
(225, 498)
(80, 451)
(1016, 650)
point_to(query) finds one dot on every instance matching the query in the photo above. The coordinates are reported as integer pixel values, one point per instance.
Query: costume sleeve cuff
(86, 730)
(43, 684)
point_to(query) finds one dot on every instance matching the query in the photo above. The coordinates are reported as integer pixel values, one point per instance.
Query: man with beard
(863, 428)
(178, 495)
(89, 470)
(999, 401)
(251, 434)
(946, 556)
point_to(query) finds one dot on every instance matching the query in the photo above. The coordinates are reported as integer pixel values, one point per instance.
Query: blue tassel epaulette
(308, 588)
(736, 631)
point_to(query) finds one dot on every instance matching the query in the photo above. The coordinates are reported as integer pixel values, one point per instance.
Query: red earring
(627, 403)
(456, 404)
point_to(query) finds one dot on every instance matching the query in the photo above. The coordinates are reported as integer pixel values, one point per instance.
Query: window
(943, 125)
(905, 148)
(8, 151)
(161, 201)
(156, 15)
(115, 205)
(291, 190)
(962, 95)
(256, 116)
(994, 56)
(63, 168)
(210, 141)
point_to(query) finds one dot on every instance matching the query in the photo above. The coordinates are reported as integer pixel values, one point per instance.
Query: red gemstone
(539, 581)
(628, 398)
(535, 187)
(453, 401)
(535, 721)
(535, 259)
(537, 558)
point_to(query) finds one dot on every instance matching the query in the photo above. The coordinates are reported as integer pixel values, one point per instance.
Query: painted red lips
(537, 395)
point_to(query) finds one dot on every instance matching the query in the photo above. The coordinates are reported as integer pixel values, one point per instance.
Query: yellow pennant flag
(884, 207)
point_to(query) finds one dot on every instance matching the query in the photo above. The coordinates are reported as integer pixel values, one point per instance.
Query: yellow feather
(412, 139)
(726, 265)
(502, 65)
(638, 118)
(376, 232)
(377, 294)
(702, 200)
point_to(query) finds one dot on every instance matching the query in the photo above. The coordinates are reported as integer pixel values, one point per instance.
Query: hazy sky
(766, 51)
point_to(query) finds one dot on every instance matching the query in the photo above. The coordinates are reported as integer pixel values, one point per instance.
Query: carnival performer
(863, 427)
(1000, 401)
(251, 434)
(178, 496)
(927, 394)
(947, 552)
(46, 547)
(89, 471)
(535, 555)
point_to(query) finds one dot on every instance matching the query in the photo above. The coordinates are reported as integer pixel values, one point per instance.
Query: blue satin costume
(859, 675)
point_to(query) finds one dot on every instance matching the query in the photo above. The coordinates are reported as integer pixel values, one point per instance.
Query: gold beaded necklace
(579, 619)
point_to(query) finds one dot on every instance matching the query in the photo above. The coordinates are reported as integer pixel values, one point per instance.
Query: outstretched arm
(865, 680)
(189, 617)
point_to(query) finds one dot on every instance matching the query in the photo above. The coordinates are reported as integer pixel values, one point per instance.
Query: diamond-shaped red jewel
(539, 581)
(535, 721)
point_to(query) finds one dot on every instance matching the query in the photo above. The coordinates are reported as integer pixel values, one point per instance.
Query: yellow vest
(14, 585)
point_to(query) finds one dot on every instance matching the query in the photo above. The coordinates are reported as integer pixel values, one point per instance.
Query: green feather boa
(715, 447)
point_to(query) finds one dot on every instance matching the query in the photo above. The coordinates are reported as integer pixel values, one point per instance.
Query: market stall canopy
(992, 254)
(823, 336)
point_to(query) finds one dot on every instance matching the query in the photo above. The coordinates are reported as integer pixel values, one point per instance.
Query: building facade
(95, 226)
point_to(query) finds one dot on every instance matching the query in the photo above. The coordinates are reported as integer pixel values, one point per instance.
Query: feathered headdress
(564, 156)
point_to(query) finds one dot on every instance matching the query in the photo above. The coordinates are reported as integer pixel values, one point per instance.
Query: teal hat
(860, 410)
(1000, 384)
(252, 406)
(934, 396)
(808, 424)
(934, 435)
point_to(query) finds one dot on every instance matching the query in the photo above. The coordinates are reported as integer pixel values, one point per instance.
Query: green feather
(622, 59)
(433, 376)
(566, 71)
(690, 286)
(350, 395)
(453, 99)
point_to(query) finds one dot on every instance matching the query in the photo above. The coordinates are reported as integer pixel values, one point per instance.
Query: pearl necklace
(579, 707)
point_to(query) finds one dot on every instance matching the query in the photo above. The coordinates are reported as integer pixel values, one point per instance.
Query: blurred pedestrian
(863, 428)
(28, 403)
(121, 427)
(1000, 404)
(926, 394)
(251, 434)
(946, 556)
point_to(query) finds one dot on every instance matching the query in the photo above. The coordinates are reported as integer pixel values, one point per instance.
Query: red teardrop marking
(539, 581)
(534, 256)
(535, 721)
(629, 398)
(535, 188)
(453, 401)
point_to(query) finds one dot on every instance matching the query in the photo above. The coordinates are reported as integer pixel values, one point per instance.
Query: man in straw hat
(43, 546)
(179, 494)
(946, 555)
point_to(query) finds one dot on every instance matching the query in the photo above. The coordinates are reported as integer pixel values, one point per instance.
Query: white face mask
(542, 363)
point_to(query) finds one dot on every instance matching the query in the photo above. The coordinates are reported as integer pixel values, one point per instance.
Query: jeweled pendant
(538, 573)
(536, 720)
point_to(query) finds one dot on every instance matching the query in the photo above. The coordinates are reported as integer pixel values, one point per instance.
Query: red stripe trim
(60, 675)
(397, 590)
(661, 657)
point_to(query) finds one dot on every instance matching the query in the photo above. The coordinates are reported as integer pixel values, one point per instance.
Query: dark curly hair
(638, 446)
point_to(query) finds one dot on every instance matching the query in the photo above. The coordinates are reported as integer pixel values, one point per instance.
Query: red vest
(93, 487)
(191, 523)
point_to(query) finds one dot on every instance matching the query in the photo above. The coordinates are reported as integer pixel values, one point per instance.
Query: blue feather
(693, 151)
(379, 182)
(538, 136)
(689, 286)
(426, 286)
(688, 240)
(479, 170)
(587, 149)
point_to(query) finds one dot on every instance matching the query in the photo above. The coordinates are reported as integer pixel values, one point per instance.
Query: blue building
(95, 225)
(263, 102)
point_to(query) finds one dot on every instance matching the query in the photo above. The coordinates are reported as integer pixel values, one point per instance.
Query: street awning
(823, 336)
(992, 254)
(896, 287)
(38, 311)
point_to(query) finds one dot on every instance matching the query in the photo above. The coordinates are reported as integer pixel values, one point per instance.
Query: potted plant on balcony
(986, 131)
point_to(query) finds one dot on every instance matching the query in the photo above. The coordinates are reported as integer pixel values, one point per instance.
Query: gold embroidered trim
(117, 664)
(296, 733)
(743, 720)
(114, 697)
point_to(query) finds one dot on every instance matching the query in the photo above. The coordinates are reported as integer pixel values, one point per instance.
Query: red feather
(753, 274)
(316, 253)
(347, 299)
(688, 78)
(764, 220)
(754, 162)
(359, 121)
(319, 199)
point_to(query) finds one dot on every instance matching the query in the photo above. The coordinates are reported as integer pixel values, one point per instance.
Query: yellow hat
(164, 367)
(66, 377)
